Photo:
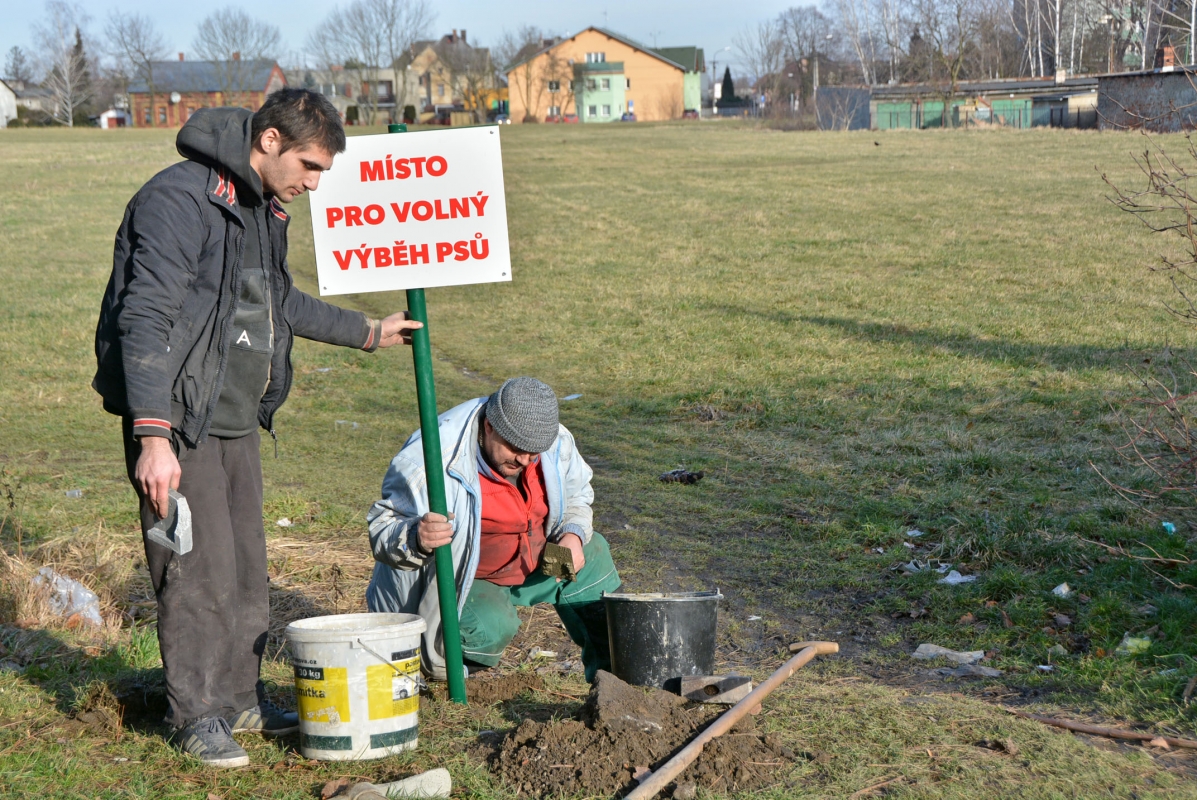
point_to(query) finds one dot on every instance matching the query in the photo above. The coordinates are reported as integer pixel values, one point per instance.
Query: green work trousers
(489, 621)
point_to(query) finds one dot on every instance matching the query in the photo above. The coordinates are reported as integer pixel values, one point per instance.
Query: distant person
(514, 480)
(194, 351)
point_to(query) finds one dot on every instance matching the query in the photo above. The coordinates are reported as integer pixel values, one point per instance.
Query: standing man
(194, 352)
(514, 480)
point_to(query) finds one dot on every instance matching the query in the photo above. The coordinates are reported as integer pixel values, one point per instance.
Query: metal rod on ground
(421, 352)
(658, 780)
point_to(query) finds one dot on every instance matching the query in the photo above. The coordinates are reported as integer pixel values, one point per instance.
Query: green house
(599, 89)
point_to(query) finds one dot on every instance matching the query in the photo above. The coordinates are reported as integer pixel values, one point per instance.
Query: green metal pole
(421, 351)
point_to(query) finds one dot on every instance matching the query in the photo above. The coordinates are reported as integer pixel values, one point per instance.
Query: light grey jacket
(404, 579)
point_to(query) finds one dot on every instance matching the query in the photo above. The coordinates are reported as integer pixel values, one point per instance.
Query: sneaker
(265, 718)
(211, 741)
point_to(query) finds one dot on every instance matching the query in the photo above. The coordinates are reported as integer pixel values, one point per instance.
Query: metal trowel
(174, 530)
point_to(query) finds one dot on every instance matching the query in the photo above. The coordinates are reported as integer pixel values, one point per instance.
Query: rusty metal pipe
(658, 780)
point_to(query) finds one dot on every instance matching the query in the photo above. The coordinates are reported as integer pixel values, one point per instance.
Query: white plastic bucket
(357, 682)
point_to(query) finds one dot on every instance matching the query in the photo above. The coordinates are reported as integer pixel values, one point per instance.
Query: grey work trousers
(213, 602)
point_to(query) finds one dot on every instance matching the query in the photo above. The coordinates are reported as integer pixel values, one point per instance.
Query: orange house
(600, 76)
(181, 87)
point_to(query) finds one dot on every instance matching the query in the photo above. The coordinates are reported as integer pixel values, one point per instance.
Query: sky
(664, 23)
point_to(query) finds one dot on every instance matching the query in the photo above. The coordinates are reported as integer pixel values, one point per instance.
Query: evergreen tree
(79, 56)
(728, 93)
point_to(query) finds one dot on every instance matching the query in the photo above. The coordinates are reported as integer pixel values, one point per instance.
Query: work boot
(211, 741)
(265, 718)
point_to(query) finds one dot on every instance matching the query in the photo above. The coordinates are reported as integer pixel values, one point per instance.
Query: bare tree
(473, 74)
(523, 82)
(68, 75)
(404, 22)
(233, 41)
(762, 52)
(857, 28)
(951, 27)
(135, 44)
(368, 36)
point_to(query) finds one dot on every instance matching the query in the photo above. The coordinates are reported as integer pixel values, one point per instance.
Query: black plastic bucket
(656, 639)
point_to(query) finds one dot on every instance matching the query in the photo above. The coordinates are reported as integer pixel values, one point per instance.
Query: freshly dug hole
(623, 729)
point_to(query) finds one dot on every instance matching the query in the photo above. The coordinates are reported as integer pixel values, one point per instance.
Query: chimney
(453, 37)
(463, 39)
(180, 56)
(236, 55)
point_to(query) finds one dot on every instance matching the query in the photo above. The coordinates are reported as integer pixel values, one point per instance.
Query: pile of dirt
(622, 731)
(489, 691)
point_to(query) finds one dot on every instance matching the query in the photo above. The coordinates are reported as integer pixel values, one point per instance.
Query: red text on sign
(419, 211)
(399, 169)
(401, 254)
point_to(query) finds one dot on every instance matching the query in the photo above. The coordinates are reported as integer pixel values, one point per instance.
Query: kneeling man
(514, 480)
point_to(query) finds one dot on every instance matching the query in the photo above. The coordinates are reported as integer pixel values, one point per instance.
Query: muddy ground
(621, 732)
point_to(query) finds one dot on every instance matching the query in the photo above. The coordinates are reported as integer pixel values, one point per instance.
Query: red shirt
(513, 526)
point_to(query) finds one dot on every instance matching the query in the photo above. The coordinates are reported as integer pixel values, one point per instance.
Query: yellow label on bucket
(393, 689)
(323, 694)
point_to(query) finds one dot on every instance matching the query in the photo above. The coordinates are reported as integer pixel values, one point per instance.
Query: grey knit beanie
(524, 413)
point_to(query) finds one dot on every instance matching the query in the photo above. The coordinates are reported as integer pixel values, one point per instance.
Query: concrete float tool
(651, 785)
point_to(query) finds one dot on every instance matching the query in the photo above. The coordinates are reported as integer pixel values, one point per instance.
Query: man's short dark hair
(303, 119)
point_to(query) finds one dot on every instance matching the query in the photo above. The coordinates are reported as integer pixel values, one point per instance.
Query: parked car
(690, 113)
(502, 119)
(570, 118)
(628, 117)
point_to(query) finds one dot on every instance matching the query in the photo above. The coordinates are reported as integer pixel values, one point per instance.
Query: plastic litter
(284, 522)
(915, 565)
(1172, 671)
(434, 783)
(954, 578)
(1169, 528)
(324, 369)
(969, 671)
(908, 544)
(927, 651)
(1063, 590)
(915, 532)
(344, 423)
(74, 494)
(878, 550)
(1132, 645)
(569, 397)
(753, 618)
(536, 652)
(1045, 668)
(69, 598)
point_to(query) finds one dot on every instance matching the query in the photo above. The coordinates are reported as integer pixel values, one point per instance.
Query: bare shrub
(1159, 423)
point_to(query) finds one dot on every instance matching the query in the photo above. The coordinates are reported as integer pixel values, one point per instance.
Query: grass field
(852, 335)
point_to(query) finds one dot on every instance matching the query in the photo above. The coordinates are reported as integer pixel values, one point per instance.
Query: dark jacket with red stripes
(165, 325)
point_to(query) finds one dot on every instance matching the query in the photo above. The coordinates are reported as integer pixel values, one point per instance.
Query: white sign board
(412, 210)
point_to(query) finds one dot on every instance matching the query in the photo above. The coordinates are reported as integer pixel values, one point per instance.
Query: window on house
(606, 84)
(596, 58)
(554, 86)
(161, 115)
(148, 111)
(590, 84)
(554, 111)
(592, 111)
(629, 80)
(440, 90)
(606, 111)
